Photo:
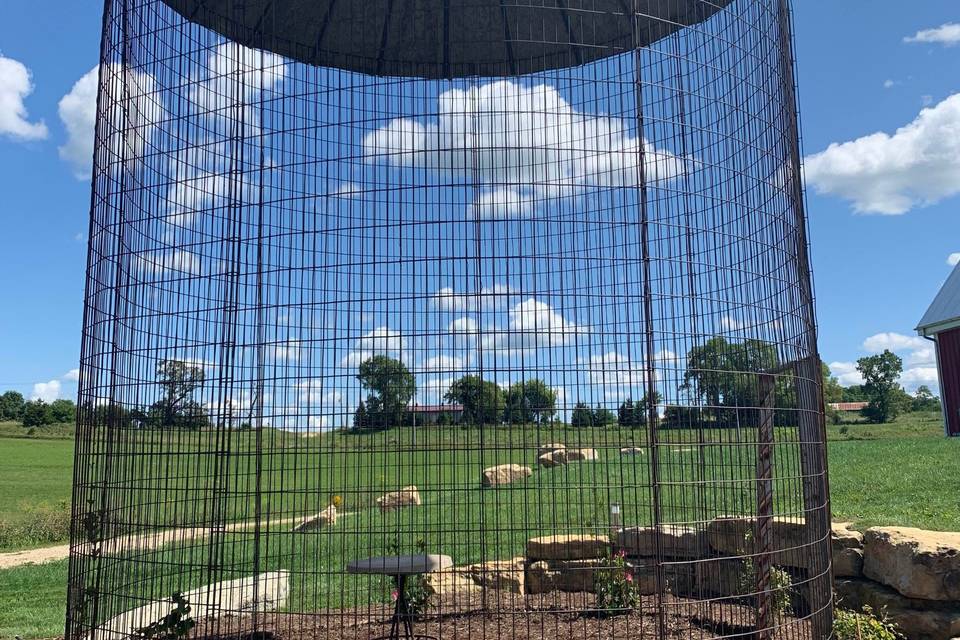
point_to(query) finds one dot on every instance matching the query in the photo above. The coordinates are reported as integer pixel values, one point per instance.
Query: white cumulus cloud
(846, 373)
(947, 34)
(446, 299)
(130, 132)
(533, 324)
(46, 391)
(379, 341)
(894, 342)
(919, 164)
(73, 375)
(15, 85)
(953, 259)
(526, 143)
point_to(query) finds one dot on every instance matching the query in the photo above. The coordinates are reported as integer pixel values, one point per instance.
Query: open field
(880, 474)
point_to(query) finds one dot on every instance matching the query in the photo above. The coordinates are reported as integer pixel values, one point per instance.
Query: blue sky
(882, 209)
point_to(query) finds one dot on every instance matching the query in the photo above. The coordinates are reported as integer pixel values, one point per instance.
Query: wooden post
(762, 547)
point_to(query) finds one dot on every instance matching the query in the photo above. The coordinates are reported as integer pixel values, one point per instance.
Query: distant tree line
(35, 413)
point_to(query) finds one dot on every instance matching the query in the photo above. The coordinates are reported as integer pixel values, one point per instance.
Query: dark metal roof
(945, 308)
(446, 38)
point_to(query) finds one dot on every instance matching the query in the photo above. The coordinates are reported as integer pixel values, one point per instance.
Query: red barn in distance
(941, 324)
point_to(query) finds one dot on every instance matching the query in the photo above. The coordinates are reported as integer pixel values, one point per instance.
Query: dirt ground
(561, 616)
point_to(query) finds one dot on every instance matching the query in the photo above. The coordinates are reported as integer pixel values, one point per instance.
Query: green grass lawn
(904, 473)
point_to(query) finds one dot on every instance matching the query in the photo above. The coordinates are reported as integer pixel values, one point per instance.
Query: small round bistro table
(401, 567)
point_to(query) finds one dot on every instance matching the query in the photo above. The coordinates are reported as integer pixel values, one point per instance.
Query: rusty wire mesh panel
(517, 289)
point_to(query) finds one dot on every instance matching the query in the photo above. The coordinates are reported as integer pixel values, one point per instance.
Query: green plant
(863, 625)
(173, 626)
(616, 586)
(780, 583)
(415, 587)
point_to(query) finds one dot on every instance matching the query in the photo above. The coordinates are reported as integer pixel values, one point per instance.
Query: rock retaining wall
(912, 575)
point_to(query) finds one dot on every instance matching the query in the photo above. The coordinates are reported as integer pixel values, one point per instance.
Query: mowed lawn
(33, 471)
(906, 473)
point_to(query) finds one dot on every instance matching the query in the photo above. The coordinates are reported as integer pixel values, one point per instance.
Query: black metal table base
(401, 623)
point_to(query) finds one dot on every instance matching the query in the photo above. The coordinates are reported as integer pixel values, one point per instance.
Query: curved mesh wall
(322, 305)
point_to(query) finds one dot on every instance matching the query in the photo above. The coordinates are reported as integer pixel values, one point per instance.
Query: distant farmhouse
(432, 413)
(848, 406)
(941, 324)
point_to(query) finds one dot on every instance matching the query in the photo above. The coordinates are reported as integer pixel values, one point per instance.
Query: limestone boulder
(720, 577)
(326, 518)
(550, 447)
(578, 576)
(505, 474)
(405, 497)
(847, 551)
(632, 451)
(504, 575)
(791, 539)
(675, 541)
(917, 619)
(917, 563)
(452, 581)
(552, 459)
(567, 547)
(581, 455)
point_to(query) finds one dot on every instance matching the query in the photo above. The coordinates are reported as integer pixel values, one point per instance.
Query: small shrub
(780, 583)
(616, 586)
(844, 430)
(173, 626)
(863, 625)
(415, 587)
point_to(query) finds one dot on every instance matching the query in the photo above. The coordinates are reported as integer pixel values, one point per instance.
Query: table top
(401, 565)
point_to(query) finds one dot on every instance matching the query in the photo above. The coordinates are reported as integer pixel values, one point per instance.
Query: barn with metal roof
(941, 323)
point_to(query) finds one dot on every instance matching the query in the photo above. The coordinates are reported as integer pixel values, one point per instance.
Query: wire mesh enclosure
(456, 318)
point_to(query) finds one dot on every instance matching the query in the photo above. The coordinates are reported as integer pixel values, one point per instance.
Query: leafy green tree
(391, 387)
(725, 376)
(529, 401)
(361, 420)
(11, 405)
(630, 414)
(581, 416)
(881, 374)
(62, 411)
(178, 380)
(832, 391)
(924, 400)
(36, 413)
(854, 393)
(483, 401)
(603, 416)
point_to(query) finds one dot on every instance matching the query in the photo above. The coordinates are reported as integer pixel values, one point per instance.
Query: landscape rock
(848, 563)
(325, 518)
(405, 497)
(918, 619)
(505, 474)
(917, 563)
(580, 455)
(632, 451)
(567, 547)
(734, 536)
(552, 459)
(675, 541)
(264, 592)
(452, 581)
(578, 576)
(718, 577)
(550, 448)
(847, 551)
(504, 575)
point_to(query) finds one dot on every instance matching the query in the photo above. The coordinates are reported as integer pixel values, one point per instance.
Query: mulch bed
(554, 616)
